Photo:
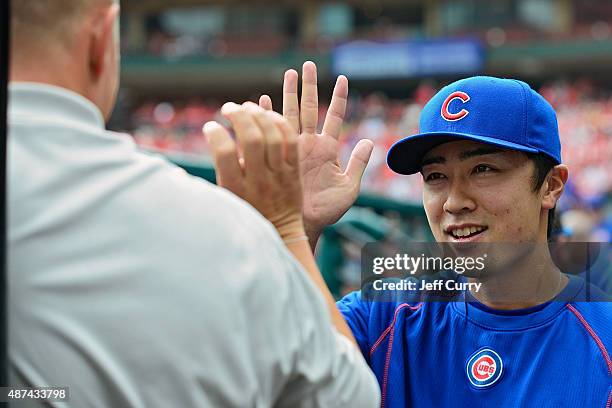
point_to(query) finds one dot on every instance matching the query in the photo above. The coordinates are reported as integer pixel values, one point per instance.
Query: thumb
(359, 160)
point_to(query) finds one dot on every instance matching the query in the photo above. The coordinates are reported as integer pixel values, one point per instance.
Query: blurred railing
(373, 218)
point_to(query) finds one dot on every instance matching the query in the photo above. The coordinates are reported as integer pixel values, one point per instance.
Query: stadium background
(182, 59)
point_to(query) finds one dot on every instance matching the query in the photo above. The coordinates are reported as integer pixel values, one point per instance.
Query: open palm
(329, 191)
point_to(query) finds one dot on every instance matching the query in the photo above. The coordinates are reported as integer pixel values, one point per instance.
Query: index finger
(225, 155)
(291, 110)
(249, 136)
(290, 140)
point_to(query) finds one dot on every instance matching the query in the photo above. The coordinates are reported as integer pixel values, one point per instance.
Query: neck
(528, 280)
(58, 71)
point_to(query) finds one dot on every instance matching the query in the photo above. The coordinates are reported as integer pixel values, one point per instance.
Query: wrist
(313, 233)
(293, 230)
(297, 240)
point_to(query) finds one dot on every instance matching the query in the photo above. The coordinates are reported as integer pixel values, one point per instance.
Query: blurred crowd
(585, 124)
(171, 45)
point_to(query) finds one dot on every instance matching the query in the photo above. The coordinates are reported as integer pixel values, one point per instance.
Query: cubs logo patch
(484, 368)
(447, 114)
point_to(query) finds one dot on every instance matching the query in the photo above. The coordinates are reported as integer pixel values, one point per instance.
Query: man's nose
(458, 200)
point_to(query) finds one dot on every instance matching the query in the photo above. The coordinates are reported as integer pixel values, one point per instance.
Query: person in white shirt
(135, 284)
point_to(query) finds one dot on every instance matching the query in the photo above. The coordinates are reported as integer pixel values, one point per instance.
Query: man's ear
(554, 185)
(102, 39)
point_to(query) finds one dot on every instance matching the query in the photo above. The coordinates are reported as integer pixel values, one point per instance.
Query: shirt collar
(43, 101)
(521, 319)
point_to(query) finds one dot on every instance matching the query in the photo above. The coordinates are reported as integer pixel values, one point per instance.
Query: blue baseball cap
(501, 112)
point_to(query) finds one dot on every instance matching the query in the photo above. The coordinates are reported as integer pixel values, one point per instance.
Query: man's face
(474, 192)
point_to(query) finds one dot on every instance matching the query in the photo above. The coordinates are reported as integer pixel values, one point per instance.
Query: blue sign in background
(406, 59)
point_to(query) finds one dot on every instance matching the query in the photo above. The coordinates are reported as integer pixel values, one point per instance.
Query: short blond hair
(35, 21)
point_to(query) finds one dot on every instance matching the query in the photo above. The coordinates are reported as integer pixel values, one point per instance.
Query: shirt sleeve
(356, 312)
(322, 366)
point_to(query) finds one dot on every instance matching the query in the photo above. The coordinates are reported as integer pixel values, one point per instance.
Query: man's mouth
(465, 231)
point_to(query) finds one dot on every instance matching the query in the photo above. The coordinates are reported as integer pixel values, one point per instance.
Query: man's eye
(434, 176)
(482, 168)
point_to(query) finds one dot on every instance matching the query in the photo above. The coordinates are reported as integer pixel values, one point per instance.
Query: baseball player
(490, 157)
(482, 147)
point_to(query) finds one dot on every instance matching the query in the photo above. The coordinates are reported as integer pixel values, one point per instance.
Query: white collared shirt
(137, 285)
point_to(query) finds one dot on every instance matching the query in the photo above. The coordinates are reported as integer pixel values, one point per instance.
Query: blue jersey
(464, 354)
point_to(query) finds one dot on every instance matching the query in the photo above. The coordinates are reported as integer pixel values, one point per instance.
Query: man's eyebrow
(463, 155)
(479, 152)
(433, 160)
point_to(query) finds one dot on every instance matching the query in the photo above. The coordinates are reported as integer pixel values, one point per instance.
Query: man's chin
(467, 249)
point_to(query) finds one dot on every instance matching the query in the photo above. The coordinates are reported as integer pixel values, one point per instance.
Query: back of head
(35, 23)
(71, 44)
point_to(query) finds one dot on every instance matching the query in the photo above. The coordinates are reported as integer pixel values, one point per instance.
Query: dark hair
(543, 165)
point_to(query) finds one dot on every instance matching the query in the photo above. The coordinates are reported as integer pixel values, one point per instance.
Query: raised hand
(329, 191)
(267, 175)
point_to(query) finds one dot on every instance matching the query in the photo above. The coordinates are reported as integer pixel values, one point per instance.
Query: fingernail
(228, 107)
(208, 128)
